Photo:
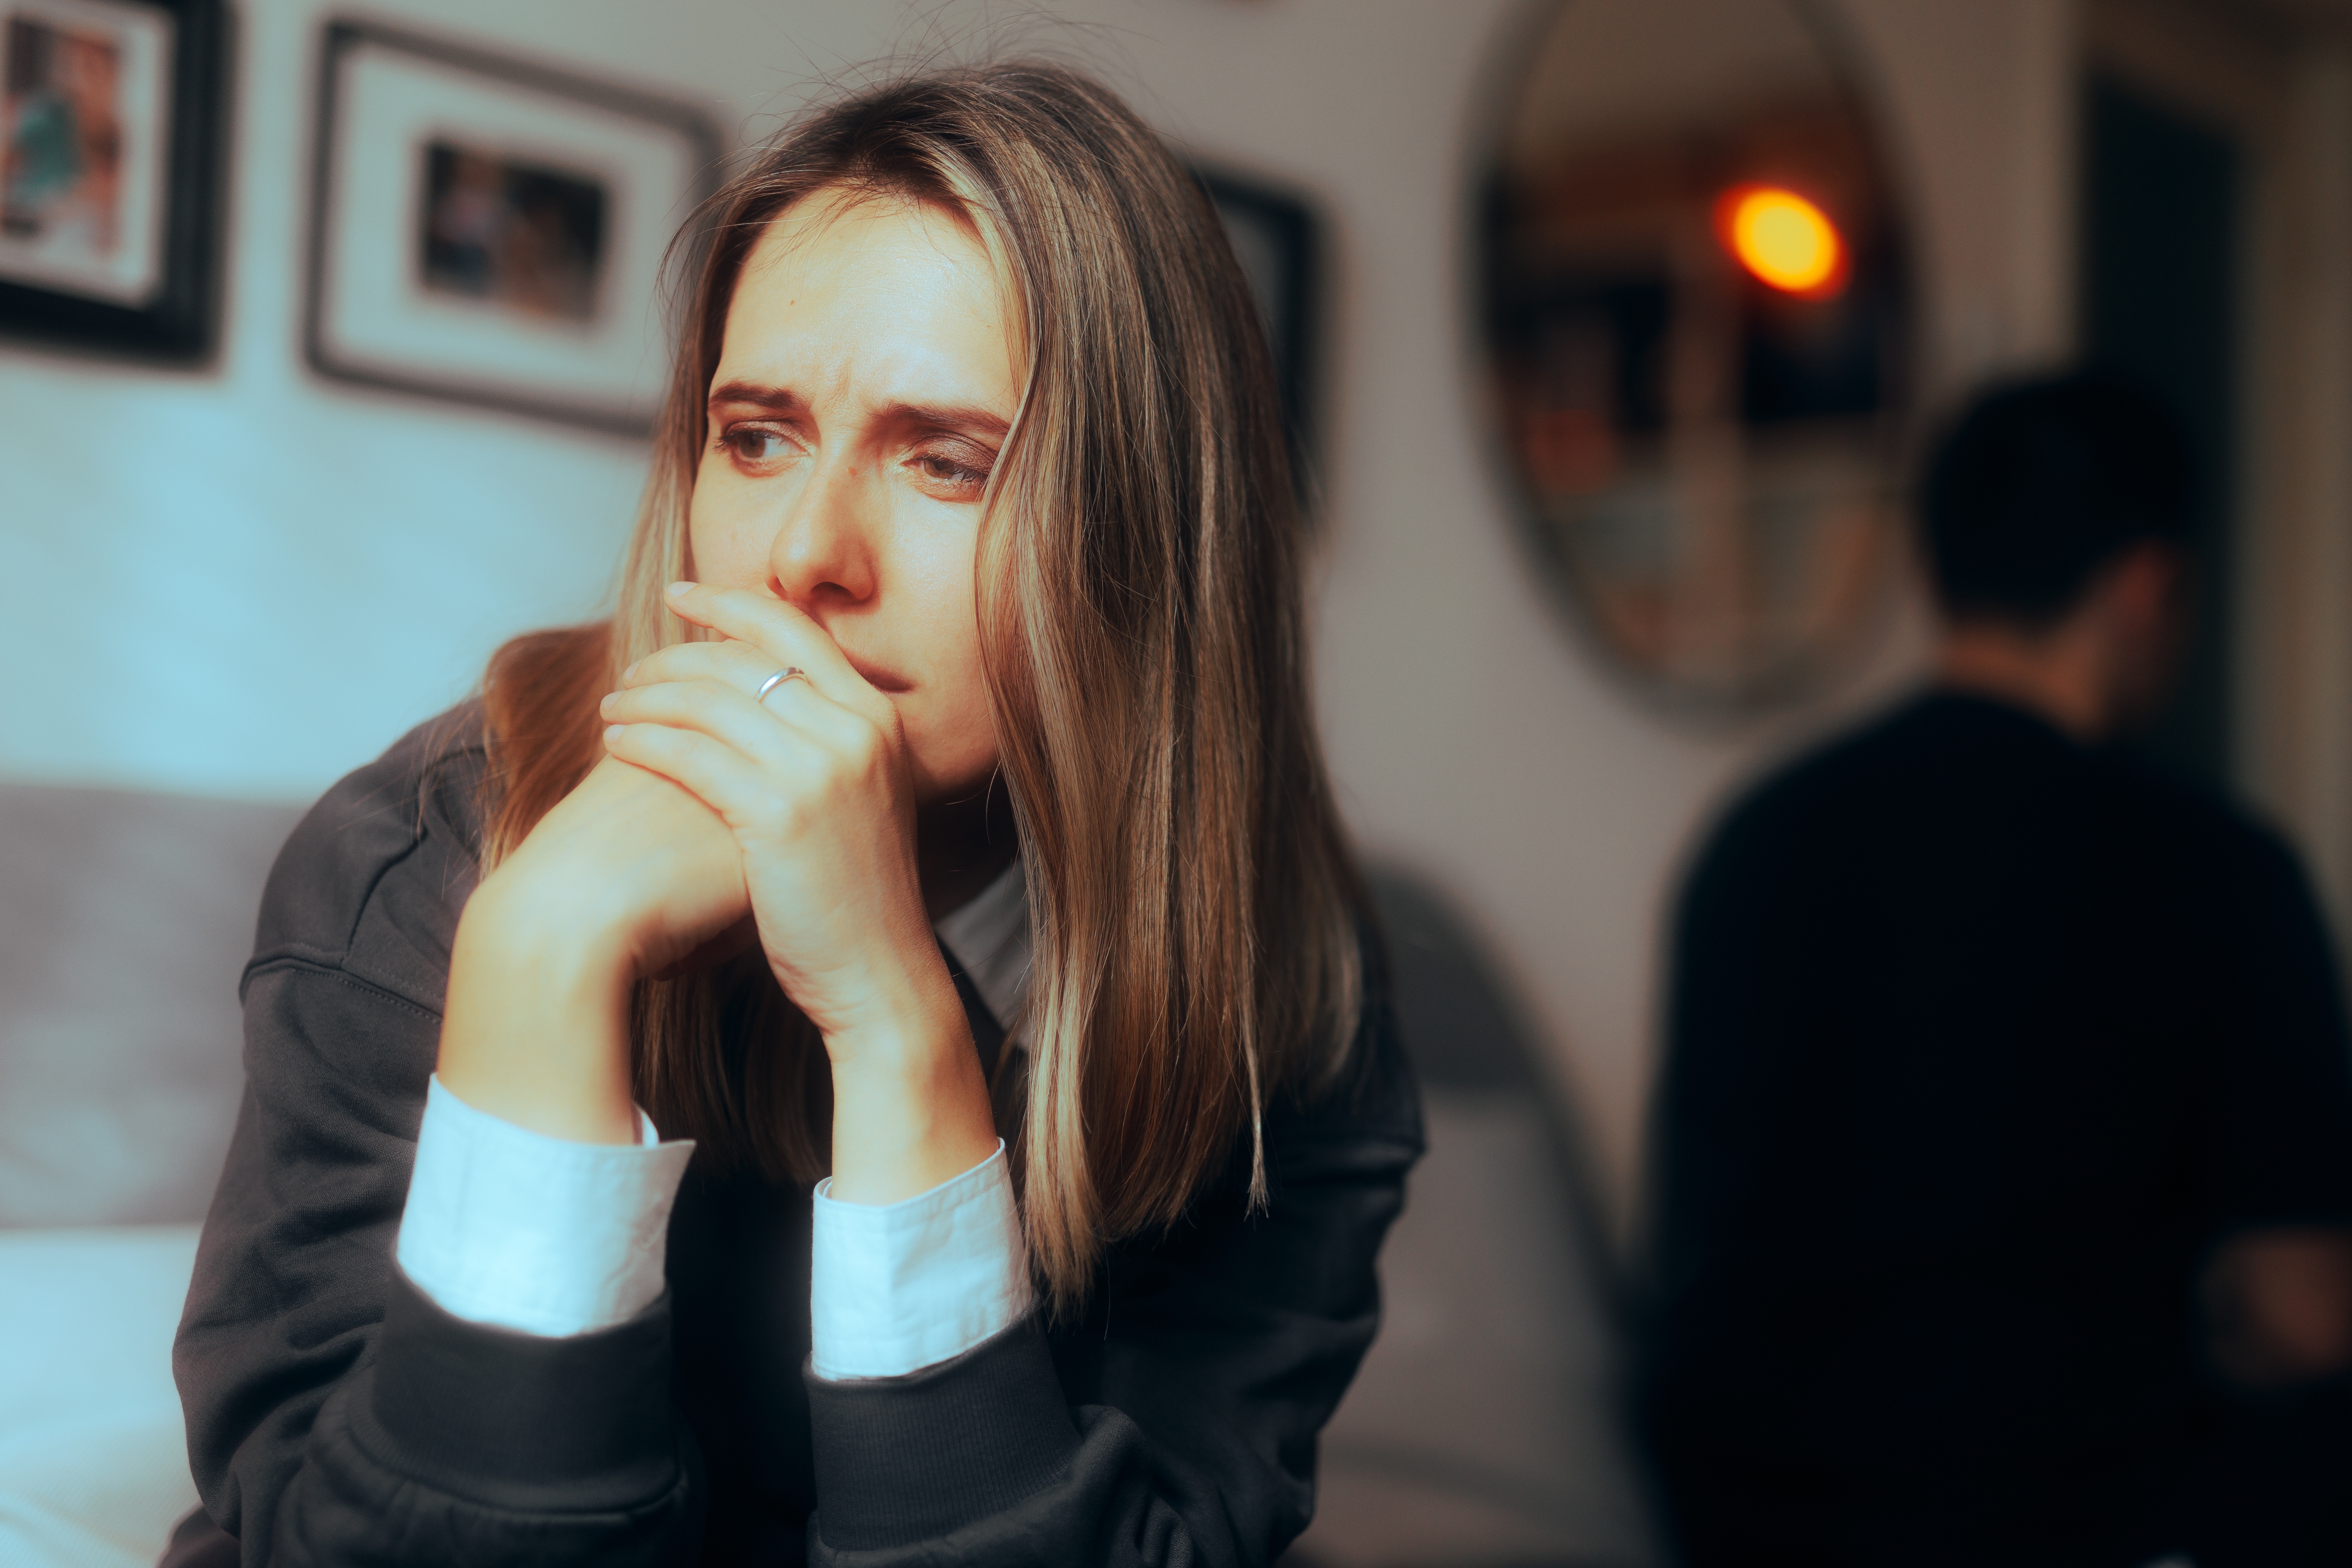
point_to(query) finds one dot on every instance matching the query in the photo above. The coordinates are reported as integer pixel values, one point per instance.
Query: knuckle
(841, 772)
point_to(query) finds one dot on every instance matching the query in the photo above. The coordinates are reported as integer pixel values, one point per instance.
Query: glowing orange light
(1783, 240)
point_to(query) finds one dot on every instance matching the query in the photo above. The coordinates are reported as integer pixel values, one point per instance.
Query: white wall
(245, 580)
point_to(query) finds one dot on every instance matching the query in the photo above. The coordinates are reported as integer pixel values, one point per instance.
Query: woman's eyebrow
(757, 394)
(963, 421)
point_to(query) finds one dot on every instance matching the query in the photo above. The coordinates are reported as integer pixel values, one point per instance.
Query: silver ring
(790, 672)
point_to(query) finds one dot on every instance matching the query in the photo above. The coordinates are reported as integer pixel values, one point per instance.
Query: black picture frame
(1278, 237)
(179, 322)
(339, 40)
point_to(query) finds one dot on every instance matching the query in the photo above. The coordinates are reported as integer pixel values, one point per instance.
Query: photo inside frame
(82, 103)
(514, 234)
(65, 136)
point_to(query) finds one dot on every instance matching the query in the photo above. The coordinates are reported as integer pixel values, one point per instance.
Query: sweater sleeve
(335, 1415)
(1177, 1424)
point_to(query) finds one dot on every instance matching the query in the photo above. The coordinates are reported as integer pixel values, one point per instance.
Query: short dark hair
(2039, 483)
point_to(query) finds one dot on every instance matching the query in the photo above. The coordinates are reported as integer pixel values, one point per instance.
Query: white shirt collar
(990, 938)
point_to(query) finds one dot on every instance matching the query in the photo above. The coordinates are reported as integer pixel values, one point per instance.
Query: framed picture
(112, 170)
(491, 230)
(1278, 242)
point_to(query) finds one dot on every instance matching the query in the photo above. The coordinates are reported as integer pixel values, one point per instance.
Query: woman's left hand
(816, 787)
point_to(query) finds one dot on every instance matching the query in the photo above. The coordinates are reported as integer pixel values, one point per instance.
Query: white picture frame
(491, 231)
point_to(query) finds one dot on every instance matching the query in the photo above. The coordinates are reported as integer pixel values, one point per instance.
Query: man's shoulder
(2200, 829)
(1832, 785)
(371, 879)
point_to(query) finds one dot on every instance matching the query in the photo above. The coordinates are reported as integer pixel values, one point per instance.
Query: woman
(945, 777)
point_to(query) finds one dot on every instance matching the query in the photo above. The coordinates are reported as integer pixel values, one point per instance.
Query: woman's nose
(822, 546)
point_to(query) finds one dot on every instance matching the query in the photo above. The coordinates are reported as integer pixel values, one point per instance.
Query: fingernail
(612, 734)
(677, 590)
(631, 673)
(605, 706)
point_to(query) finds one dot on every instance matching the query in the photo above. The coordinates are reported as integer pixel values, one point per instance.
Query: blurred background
(1609, 330)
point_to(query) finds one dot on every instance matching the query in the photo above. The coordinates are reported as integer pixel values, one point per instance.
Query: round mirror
(1695, 309)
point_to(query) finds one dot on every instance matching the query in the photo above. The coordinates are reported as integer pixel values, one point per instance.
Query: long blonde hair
(1193, 907)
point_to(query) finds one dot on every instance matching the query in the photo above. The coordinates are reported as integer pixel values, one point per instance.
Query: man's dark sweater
(1980, 1041)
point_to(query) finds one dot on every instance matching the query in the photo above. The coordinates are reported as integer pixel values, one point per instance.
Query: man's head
(2054, 514)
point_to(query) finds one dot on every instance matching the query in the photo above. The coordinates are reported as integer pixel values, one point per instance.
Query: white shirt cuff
(523, 1231)
(898, 1287)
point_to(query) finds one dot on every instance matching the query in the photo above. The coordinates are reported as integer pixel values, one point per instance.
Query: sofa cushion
(125, 919)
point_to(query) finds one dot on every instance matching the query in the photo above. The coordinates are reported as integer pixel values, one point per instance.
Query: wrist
(907, 1019)
(535, 1028)
(560, 934)
(911, 1108)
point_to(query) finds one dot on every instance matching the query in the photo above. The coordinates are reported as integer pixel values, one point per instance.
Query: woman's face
(868, 379)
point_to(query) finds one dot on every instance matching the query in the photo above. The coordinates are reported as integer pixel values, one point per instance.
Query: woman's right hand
(627, 876)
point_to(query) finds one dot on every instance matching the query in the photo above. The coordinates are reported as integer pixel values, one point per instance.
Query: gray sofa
(124, 919)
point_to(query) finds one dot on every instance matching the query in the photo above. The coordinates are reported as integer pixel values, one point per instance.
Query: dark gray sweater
(337, 1417)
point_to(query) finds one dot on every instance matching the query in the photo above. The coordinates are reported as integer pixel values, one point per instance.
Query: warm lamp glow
(1782, 239)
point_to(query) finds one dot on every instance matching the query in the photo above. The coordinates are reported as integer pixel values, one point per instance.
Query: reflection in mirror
(1695, 305)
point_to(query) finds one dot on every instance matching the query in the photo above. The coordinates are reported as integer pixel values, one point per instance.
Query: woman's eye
(947, 469)
(755, 445)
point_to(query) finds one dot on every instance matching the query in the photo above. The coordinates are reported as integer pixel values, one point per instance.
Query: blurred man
(2004, 1077)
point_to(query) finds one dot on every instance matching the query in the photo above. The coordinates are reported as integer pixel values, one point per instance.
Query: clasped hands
(797, 813)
